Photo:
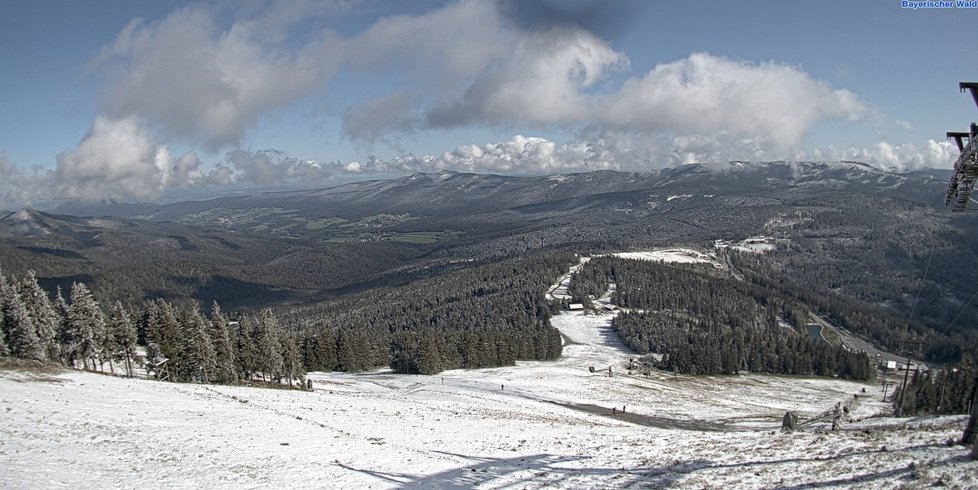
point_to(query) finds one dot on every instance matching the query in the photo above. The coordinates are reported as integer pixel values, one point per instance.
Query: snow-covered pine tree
(348, 357)
(123, 332)
(109, 349)
(86, 322)
(268, 357)
(145, 324)
(244, 347)
(196, 354)
(164, 330)
(319, 350)
(63, 329)
(225, 371)
(292, 368)
(21, 337)
(43, 315)
(196, 358)
(4, 351)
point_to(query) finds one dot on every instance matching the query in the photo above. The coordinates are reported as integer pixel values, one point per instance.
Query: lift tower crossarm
(972, 87)
(958, 137)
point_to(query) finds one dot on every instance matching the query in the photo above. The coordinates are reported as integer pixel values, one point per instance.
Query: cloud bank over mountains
(203, 77)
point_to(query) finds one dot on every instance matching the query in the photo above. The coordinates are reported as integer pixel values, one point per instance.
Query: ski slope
(533, 425)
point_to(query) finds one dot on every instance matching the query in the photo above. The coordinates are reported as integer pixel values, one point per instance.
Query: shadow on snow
(553, 470)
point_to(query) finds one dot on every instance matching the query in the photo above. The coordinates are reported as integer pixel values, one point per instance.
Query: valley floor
(534, 425)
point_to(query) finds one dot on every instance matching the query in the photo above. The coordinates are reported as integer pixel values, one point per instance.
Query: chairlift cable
(963, 308)
(919, 290)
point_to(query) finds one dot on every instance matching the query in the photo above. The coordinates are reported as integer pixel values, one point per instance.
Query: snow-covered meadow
(534, 425)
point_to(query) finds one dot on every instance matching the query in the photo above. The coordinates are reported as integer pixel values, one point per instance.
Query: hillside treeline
(701, 323)
(180, 344)
(886, 280)
(485, 316)
(944, 391)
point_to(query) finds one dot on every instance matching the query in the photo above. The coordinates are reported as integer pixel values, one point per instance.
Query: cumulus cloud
(543, 82)
(703, 93)
(267, 167)
(442, 47)
(628, 152)
(526, 155)
(547, 81)
(119, 159)
(197, 76)
(901, 157)
(207, 83)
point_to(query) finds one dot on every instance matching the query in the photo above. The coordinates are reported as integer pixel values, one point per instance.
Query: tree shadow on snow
(545, 469)
(551, 470)
(666, 476)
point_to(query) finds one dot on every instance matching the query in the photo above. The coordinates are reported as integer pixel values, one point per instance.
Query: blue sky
(132, 99)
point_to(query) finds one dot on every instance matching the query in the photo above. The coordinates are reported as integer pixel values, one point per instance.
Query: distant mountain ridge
(452, 193)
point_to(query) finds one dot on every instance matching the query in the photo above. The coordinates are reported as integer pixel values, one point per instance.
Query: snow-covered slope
(535, 425)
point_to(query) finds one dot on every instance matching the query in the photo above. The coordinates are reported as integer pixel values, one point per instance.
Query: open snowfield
(534, 425)
(680, 255)
(760, 244)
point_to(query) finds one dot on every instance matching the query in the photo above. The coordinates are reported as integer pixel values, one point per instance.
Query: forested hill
(702, 322)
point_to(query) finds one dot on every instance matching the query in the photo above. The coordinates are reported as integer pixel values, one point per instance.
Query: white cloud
(19, 186)
(267, 167)
(902, 157)
(542, 82)
(207, 81)
(705, 94)
(119, 159)
(476, 68)
(903, 124)
(443, 47)
(208, 84)
(628, 152)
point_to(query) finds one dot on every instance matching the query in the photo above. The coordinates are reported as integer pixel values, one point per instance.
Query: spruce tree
(346, 353)
(146, 324)
(4, 351)
(404, 352)
(21, 337)
(86, 323)
(196, 358)
(164, 329)
(63, 329)
(319, 350)
(245, 347)
(430, 352)
(123, 333)
(43, 315)
(224, 359)
(268, 357)
(291, 360)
